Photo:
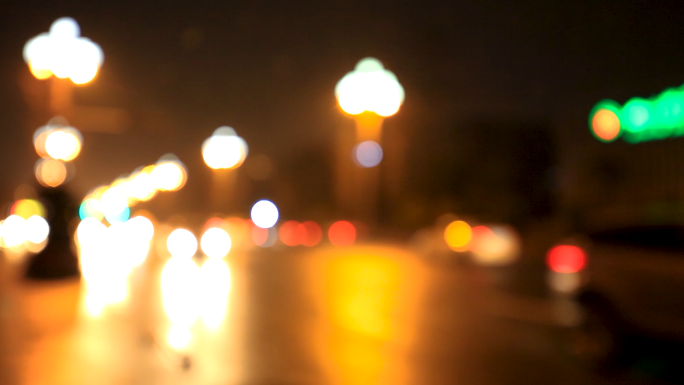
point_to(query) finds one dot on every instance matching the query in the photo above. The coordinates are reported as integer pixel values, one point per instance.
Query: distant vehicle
(630, 283)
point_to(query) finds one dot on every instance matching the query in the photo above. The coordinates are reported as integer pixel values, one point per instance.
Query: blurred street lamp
(63, 53)
(223, 151)
(369, 93)
(56, 142)
(64, 57)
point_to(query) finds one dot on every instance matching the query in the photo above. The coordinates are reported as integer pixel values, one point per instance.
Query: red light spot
(313, 233)
(481, 235)
(566, 259)
(259, 235)
(288, 233)
(342, 233)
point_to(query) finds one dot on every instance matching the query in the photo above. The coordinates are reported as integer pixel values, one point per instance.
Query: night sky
(269, 69)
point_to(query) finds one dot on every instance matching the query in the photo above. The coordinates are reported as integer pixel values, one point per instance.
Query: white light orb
(140, 228)
(63, 145)
(215, 243)
(367, 154)
(223, 152)
(65, 28)
(169, 176)
(91, 232)
(182, 243)
(264, 214)
(37, 229)
(14, 231)
(64, 53)
(370, 87)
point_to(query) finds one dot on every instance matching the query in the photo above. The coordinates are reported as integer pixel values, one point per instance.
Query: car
(626, 281)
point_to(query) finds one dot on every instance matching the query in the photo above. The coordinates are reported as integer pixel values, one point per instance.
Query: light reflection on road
(369, 299)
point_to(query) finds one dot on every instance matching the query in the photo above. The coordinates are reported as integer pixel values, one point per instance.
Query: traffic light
(639, 120)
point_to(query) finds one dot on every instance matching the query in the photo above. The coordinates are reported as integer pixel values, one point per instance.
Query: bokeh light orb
(224, 152)
(605, 124)
(457, 235)
(313, 233)
(27, 208)
(62, 52)
(342, 233)
(370, 87)
(215, 243)
(141, 228)
(495, 245)
(367, 154)
(264, 214)
(181, 243)
(90, 231)
(566, 259)
(288, 233)
(51, 172)
(140, 185)
(14, 231)
(37, 229)
(63, 145)
(169, 176)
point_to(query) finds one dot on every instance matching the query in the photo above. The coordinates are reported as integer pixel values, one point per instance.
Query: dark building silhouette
(57, 259)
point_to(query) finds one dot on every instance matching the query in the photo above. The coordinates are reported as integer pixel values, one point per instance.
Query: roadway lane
(374, 314)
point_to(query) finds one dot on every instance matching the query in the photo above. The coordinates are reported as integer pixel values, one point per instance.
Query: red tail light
(566, 259)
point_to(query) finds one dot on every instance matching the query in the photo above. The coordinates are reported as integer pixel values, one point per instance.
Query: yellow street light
(370, 93)
(224, 149)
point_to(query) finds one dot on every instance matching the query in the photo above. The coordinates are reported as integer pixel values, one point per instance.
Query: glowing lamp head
(370, 87)
(181, 243)
(264, 214)
(224, 149)
(63, 145)
(566, 259)
(63, 53)
(57, 140)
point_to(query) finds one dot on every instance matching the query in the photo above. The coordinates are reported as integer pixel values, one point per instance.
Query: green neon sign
(639, 120)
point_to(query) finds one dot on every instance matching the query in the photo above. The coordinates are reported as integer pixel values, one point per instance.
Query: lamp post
(58, 55)
(370, 94)
(223, 152)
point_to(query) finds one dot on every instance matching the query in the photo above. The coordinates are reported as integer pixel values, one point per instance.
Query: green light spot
(637, 112)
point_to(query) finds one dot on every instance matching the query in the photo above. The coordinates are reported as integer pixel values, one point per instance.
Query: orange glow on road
(371, 299)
